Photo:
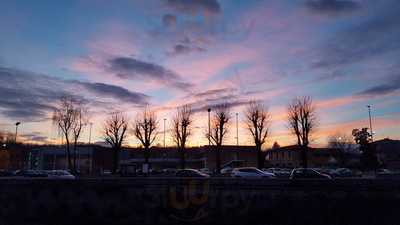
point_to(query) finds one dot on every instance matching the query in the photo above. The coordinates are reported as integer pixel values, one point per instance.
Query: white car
(60, 174)
(226, 171)
(205, 170)
(251, 172)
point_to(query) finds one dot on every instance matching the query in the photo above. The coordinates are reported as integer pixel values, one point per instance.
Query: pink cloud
(336, 102)
(200, 69)
(379, 124)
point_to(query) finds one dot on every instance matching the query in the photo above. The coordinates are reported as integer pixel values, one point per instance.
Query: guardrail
(199, 201)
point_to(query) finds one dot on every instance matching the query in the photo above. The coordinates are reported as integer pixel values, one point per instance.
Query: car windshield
(61, 172)
(251, 170)
(298, 171)
(312, 172)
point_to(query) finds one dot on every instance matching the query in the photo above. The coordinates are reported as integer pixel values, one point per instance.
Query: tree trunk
(115, 160)
(218, 159)
(182, 154)
(260, 160)
(369, 158)
(304, 156)
(74, 162)
(146, 154)
(68, 155)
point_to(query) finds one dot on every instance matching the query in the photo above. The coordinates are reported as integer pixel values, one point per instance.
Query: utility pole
(16, 131)
(90, 133)
(370, 122)
(90, 153)
(164, 133)
(237, 129)
(209, 127)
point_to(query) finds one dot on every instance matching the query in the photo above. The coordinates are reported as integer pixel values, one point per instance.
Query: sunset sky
(124, 54)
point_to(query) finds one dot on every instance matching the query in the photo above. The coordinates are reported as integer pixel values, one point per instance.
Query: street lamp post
(370, 122)
(209, 127)
(164, 133)
(237, 129)
(16, 131)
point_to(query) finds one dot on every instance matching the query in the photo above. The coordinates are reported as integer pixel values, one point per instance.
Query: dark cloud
(131, 68)
(127, 67)
(332, 6)
(29, 96)
(214, 97)
(201, 101)
(382, 89)
(169, 20)
(195, 6)
(181, 49)
(24, 95)
(374, 37)
(214, 92)
(116, 92)
(230, 104)
(35, 136)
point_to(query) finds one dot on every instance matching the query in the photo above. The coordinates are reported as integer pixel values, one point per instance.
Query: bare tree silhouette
(145, 130)
(80, 121)
(115, 133)
(302, 122)
(258, 121)
(64, 118)
(182, 122)
(219, 129)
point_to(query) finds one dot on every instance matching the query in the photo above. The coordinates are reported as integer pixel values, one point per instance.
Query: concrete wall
(216, 201)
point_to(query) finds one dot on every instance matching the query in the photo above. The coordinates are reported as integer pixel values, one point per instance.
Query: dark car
(6, 173)
(31, 173)
(303, 173)
(190, 173)
(328, 171)
(279, 172)
(344, 172)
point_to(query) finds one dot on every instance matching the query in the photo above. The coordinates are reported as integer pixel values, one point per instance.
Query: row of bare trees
(181, 130)
(302, 121)
(257, 119)
(145, 129)
(115, 128)
(71, 118)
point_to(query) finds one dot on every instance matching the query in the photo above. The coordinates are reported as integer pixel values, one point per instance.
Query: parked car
(190, 173)
(251, 172)
(74, 172)
(279, 172)
(60, 174)
(205, 170)
(156, 172)
(307, 173)
(169, 171)
(346, 172)
(226, 171)
(106, 173)
(326, 171)
(6, 173)
(384, 173)
(31, 173)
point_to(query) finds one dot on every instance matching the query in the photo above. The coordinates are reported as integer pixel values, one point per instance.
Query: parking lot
(226, 173)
